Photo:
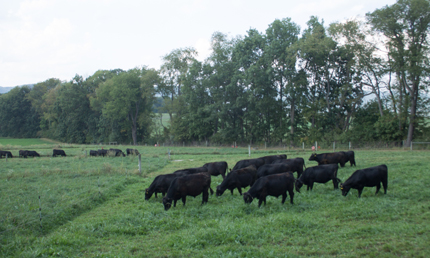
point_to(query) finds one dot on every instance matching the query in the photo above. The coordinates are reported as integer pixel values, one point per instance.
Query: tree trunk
(411, 128)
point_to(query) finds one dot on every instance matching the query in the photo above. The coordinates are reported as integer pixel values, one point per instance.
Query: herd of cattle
(57, 152)
(29, 153)
(266, 176)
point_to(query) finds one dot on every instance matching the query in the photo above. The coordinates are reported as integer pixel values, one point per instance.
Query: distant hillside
(7, 89)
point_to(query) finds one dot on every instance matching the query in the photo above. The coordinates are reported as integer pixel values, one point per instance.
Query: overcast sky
(42, 39)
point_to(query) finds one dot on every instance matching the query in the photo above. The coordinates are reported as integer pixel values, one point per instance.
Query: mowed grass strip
(320, 223)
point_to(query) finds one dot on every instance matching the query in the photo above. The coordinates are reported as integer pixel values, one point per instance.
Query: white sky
(42, 39)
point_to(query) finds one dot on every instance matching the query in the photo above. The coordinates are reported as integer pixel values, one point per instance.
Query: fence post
(40, 216)
(249, 150)
(265, 145)
(349, 147)
(140, 164)
(168, 152)
(6, 157)
(303, 145)
(334, 146)
(316, 146)
(85, 153)
(411, 145)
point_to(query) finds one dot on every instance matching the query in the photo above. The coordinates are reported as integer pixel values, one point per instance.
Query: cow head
(247, 197)
(313, 156)
(219, 191)
(299, 185)
(344, 189)
(167, 202)
(148, 194)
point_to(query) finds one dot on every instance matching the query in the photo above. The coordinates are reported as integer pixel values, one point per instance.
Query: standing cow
(239, 179)
(216, 168)
(191, 185)
(319, 174)
(368, 177)
(132, 152)
(160, 185)
(330, 158)
(56, 153)
(247, 162)
(273, 185)
(272, 158)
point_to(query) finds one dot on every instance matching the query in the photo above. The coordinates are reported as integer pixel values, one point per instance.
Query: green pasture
(10, 142)
(94, 206)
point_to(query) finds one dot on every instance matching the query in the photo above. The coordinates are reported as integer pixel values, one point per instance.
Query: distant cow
(273, 185)
(191, 185)
(216, 168)
(189, 171)
(6, 153)
(32, 154)
(160, 185)
(330, 158)
(296, 164)
(271, 158)
(368, 177)
(319, 174)
(117, 152)
(102, 152)
(94, 153)
(132, 152)
(56, 152)
(350, 157)
(247, 162)
(277, 168)
(239, 179)
(23, 153)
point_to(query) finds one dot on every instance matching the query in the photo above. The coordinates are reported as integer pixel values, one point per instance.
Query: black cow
(102, 152)
(132, 152)
(330, 158)
(368, 177)
(247, 162)
(216, 168)
(350, 157)
(296, 164)
(23, 153)
(94, 153)
(117, 152)
(32, 154)
(6, 153)
(277, 168)
(271, 158)
(189, 171)
(160, 185)
(319, 174)
(191, 185)
(273, 185)
(58, 152)
(239, 178)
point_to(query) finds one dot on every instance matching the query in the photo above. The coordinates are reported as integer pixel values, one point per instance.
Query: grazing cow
(273, 185)
(189, 171)
(32, 154)
(160, 185)
(23, 153)
(297, 164)
(270, 159)
(191, 185)
(351, 157)
(247, 162)
(368, 177)
(239, 178)
(117, 152)
(94, 153)
(319, 174)
(102, 152)
(216, 168)
(132, 152)
(277, 168)
(330, 158)
(58, 152)
(6, 153)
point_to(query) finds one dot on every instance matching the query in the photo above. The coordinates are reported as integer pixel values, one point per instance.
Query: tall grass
(122, 224)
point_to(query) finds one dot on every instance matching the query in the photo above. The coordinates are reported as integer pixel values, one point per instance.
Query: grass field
(95, 207)
(8, 142)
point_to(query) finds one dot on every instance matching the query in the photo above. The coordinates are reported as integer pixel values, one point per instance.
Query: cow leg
(240, 190)
(156, 195)
(378, 186)
(184, 199)
(335, 183)
(212, 191)
(174, 203)
(360, 190)
(205, 197)
(311, 185)
(231, 190)
(284, 196)
(385, 185)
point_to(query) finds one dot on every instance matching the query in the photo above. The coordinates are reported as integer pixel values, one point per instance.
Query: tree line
(351, 81)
